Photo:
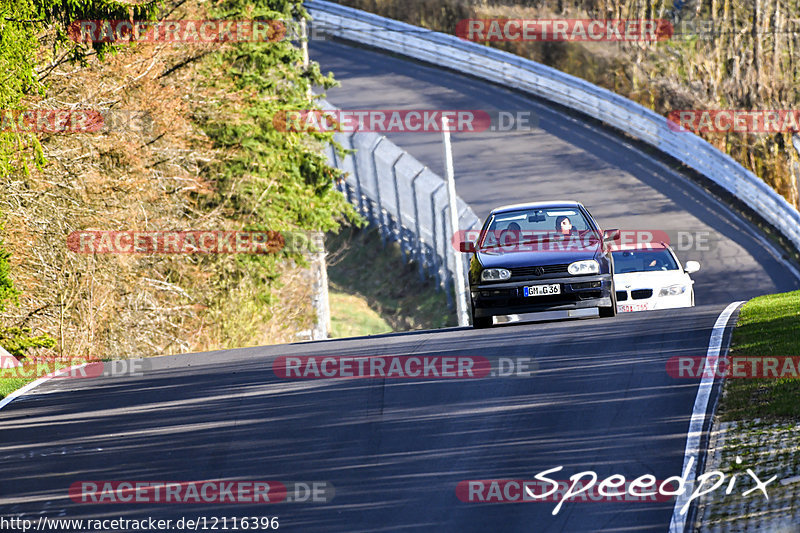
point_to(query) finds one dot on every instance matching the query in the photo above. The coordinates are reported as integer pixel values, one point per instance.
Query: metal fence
(531, 77)
(405, 200)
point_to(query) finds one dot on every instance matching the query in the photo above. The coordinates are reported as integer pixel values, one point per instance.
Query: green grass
(14, 379)
(359, 265)
(767, 326)
(9, 385)
(351, 316)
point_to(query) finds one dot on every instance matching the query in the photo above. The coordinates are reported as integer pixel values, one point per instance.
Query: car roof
(537, 205)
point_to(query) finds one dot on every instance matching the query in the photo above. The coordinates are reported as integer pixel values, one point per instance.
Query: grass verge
(361, 267)
(351, 316)
(768, 326)
(12, 379)
(9, 385)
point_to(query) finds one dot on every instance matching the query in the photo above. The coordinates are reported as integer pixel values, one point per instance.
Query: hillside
(187, 143)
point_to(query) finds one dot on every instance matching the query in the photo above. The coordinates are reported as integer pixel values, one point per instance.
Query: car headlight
(673, 290)
(495, 274)
(584, 267)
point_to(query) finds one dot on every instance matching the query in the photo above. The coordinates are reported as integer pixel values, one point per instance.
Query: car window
(643, 261)
(534, 222)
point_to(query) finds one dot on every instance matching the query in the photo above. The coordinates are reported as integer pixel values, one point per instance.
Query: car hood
(497, 258)
(649, 280)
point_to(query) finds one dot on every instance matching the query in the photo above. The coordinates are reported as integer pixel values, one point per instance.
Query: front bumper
(655, 303)
(577, 292)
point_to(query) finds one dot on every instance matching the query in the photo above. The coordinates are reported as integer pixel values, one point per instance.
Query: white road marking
(692, 452)
(30, 386)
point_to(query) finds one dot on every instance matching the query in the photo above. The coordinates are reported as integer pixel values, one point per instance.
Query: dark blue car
(542, 256)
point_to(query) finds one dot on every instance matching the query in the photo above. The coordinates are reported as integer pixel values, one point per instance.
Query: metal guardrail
(528, 76)
(404, 199)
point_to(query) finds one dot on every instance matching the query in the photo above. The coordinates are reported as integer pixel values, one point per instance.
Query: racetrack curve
(395, 450)
(564, 158)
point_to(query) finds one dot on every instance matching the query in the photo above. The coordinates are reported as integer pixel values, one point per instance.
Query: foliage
(7, 290)
(270, 81)
(24, 63)
(17, 341)
(21, 24)
(210, 159)
(271, 179)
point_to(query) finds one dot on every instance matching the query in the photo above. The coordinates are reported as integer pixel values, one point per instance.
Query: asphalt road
(395, 450)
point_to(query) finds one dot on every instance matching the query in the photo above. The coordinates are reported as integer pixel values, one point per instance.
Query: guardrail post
(356, 176)
(321, 301)
(420, 253)
(436, 262)
(383, 223)
(447, 275)
(399, 208)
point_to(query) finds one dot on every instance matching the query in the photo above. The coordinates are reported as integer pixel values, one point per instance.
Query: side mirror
(466, 247)
(611, 235)
(691, 267)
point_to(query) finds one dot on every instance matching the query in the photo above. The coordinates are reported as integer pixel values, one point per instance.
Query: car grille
(538, 270)
(642, 294)
(622, 296)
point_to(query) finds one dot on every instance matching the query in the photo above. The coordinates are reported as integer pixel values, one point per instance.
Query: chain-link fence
(405, 200)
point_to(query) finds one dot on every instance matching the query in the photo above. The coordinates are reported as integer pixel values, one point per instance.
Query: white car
(648, 277)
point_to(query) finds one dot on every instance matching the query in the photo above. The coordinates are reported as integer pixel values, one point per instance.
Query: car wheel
(482, 322)
(608, 312)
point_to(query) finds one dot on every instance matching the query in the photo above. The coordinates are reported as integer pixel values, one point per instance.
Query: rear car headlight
(495, 274)
(584, 267)
(673, 290)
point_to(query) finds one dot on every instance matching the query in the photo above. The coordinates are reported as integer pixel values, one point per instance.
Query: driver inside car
(564, 225)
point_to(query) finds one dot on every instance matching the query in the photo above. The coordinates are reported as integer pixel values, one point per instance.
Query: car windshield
(643, 261)
(534, 225)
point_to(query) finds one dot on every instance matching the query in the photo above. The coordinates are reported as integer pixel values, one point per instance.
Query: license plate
(628, 308)
(542, 290)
